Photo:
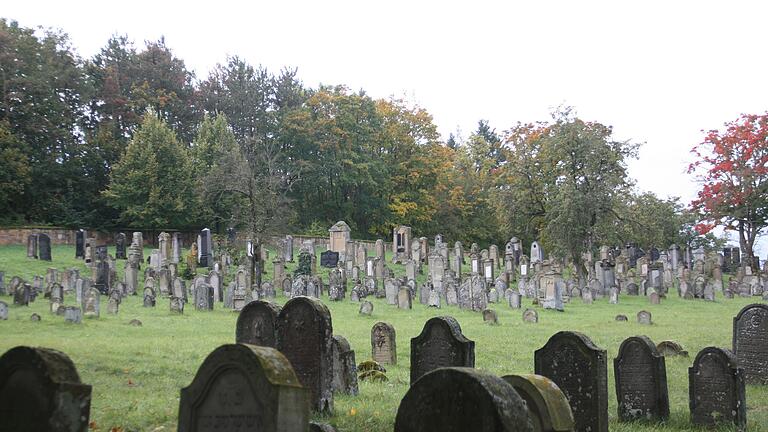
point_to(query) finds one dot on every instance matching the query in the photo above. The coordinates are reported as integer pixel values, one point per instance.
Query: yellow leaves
(352, 412)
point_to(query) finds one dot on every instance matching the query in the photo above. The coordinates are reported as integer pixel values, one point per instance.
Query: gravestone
(440, 344)
(344, 367)
(633, 289)
(101, 281)
(329, 259)
(204, 297)
(366, 308)
(460, 399)
(32, 246)
(204, 248)
(548, 407)
(513, 298)
(120, 246)
(80, 244)
(654, 298)
(490, 317)
(44, 246)
(113, 302)
(750, 342)
(40, 390)
(384, 343)
(530, 316)
(670, 348)
(580, 369)
(73, 314)
(434, 299)
(214, 279)
(391, 287)
(91, 301)
(644, 317)
(404, 298)
(149, 297)
(3, 310)
(716, 389)
(257, 324)
(244, 387)
(304, 331)
(641, 381)
(621, 318)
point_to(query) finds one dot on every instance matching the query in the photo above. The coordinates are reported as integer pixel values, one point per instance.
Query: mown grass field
(137, 372)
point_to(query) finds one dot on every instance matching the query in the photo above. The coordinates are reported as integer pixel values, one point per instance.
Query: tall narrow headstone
(716, 389)
(750, 342)
(44, 246)
(580, 369)
(440, 344)
(120, 246)
(79, 244)
(204, 248)
(257, 324)
(641, 381)
(32, 246)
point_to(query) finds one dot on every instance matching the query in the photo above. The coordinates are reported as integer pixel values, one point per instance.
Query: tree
(151, 185)
(14, 170)
(732, 168)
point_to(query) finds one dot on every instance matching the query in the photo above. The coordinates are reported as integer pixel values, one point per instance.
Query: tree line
(131, 138)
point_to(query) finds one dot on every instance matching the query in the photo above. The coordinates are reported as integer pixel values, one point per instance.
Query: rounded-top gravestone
(440, 344)
(716, 389)
(257, 324)
(641, 381)
(548, 407)
(384, 343)
(750, 342)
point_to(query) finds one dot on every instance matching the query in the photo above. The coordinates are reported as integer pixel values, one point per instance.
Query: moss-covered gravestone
(384, 343)
(548, 407)
(641, 381)
(257, 324)
(244, 387)
(716, 389)
(40, 390)
(455, 399)
(344, 366)
(440, 344)
(580, 369)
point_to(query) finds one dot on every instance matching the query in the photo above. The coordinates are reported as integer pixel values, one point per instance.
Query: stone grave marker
(644, 317)
(257, 324)
(3, 310)
(750, 342)
(633, 289)
(490, 317)
(32, 246)
(641, 381)
(654, 298)
(391, 287)
(344, 367)
(73, 314)
(513, 298)
(460, 399)
(579, 368)
(329, 259)
(547, 405)
(304, 336)
(204, 299)
(613, 296)
(530, 316)
(670, 348)
(80, 244)
(621, 318)
(440, 344)
(244, 387)
(113, 302)
(44, 246)
(384, 343)
(366, 308)
(40, 390)
(404, 298)
(149, 297)
(120, 246)
(91, 301)
(716, 389)
(434, 299)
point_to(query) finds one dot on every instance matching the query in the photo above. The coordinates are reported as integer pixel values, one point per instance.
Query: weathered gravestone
(304, 335)
(3, 311)
(366, 308)
(79, 244)
(531, 316)
(750, 342)
(459, 399)
(257, 324)
(44, 247)
(344, 367)
(391, 288)
(644, 317)
(440, 344)
(621, 317)
(641, 381)
(32, 246)
(244, 387)
(580, 369)
(40, 390)
(113, 302)
(120, 245)
(91, 301)
(329, 259)
(404, 298)
(204, 297)
(73, 314)
(383, 343)
(490, 317)
(670, 348)
(548, 407)
(716, 389)
(149, 296)
(654, 298)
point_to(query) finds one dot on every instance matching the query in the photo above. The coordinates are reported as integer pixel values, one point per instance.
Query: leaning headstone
(547, 405)
(257, 324)
(750, 342)
(641, 381)
(530, 316)
(644, 317)
(304, 331)
(40, 390)
(3, 311)
(716, 389)
(383, 343)
(344, 367)
(580, 369)
(455, 399)
(244, 387)
(366, 308)
(440, 344)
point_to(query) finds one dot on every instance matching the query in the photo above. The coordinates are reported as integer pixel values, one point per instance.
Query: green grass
(137, 372)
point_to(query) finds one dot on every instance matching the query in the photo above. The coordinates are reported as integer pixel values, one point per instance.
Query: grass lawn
(137, 372)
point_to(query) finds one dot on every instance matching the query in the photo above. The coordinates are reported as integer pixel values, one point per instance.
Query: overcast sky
(657, 71)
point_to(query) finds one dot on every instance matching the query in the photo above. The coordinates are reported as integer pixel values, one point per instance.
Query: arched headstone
(384, 343)
(304, 336)
(244, 387)
(440, 344)
(641, 381)
(580, 369)
(716, 389)
(257, 324)
(456, 399)
(548, 407)
(750, 342)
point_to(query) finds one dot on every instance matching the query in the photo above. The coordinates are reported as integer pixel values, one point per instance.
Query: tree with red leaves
(732, 166)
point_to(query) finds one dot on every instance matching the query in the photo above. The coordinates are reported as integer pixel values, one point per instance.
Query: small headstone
(716, 389)
(149, 297)
(3, 311)
(134, 323)
(320, 427)
(580, 369)
(586, 296)
(644, 317)
(670, 348)
(113, 304)
(329, 259)
(750, 342)
(383, 343)
(459, 399)
(404, 300)
(434, 299)
(613, 296)
(35, 317)
(654, 298)
(440, 344)
(204, 299)
(22, 295)
(73, 314)
(621, 318)
(641, 381)
(366, 308)
(244, 387)
(257, 324)
(490, 317)
(633, 289)
(530, 316)
(547, 405)
(513, 298)
(91, 302)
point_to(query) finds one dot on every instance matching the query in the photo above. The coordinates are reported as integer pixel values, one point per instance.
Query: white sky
(657, 71)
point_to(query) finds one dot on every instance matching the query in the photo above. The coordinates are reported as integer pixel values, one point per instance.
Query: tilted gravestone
(458, 399)
(547, 405)
(641, 381)
(580, 369)
(383, 343)
(40, 390)
(257, 324)
(750, 342)
(304, 335)
(716, 389)
(244, 387)
(344, 367)
(440, 344)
